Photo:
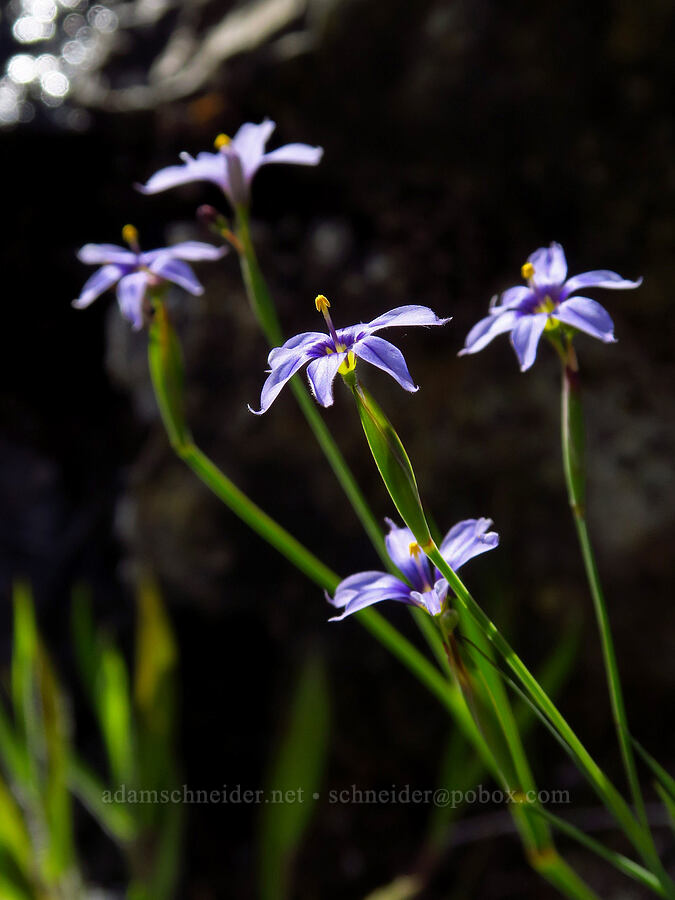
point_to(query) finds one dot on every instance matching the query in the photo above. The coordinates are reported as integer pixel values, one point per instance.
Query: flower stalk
(573, 452)
(634, 830)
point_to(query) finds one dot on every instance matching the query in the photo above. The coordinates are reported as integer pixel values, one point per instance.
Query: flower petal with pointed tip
(130, 293)
(406, 315)
(467, 539)
(380, 353)
(191, 251)
(587, 315)
(280, 374)
(525, 338)
(207, 167)
(249, 144)
(295, 154)
(601, 278)
(433, 599)
(487, 329)
(378, 587)
(99, 282)
(321, 373)
(97, 254)
(550, 264)
(178, 272)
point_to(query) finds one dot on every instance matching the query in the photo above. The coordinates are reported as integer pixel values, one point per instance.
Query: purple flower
(234, 164)
(546, 301)
(328, 354)
(134, 271)
(425, 585)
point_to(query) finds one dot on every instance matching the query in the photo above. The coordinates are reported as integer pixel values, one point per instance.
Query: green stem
(266, 314)
(256, 518)
(572, 429)
(597, 778)
(618, 860)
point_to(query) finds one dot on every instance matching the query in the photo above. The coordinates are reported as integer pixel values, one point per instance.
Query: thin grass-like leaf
(294, 779)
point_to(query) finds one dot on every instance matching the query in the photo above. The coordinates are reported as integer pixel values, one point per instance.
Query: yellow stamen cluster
(321, 303)
(130, 235)
(527, 271)
(223, 140)
(414, 549)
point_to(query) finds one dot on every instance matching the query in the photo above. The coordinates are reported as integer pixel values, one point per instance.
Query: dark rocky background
(459, 136)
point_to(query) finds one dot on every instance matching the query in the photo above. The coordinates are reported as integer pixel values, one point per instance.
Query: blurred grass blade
(13, 753)
(57, 800)
(10, 890)
(295, 776)
(167, 861)
(155, 708)
(666, 781)
(113, 817)
(114, 712)
(24, 698)
(405, 887)
(14, 836)
(668, 802)
(155, 659)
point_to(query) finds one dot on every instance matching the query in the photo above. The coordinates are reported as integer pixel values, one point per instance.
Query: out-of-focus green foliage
(36, 818)
(294, 778)
(40, 771)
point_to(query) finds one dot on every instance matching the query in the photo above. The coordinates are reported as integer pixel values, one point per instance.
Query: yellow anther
(321, 303)
(222, 141)
(349, 364)
(414, 549)
(527, 271)
(130, 235)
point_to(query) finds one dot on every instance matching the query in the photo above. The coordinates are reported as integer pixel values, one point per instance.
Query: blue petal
(249, 145)
(365, 589)
(178, 272)
(406, 315)
(385, 356)
(550, 265)
(525, 338)
(304, 341)
(192, 251)
(398, 543)
(99, 254)
(467, 539)
(511, 299)
(278, 378)
(601, 278)
(296, 154)
(207, 167)
(99, 282)
(587, 315)
(130, 294)
(433, 599)
(321, 373)
(484, 331)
